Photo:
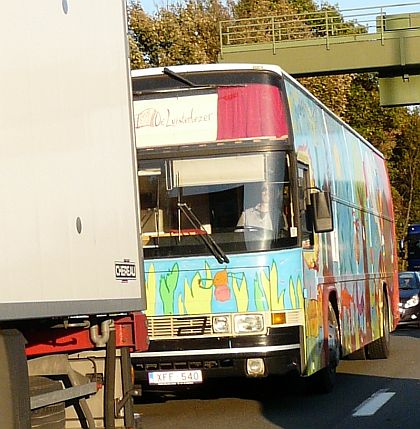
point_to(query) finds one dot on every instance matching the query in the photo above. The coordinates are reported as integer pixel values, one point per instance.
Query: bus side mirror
(322, 211)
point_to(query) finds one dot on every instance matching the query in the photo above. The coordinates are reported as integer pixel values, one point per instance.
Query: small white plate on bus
(175, 377)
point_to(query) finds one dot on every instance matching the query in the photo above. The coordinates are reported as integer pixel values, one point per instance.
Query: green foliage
(303, 5)
(180, 34)
(331, 90)
(377, 124)
(256, 8)
(404, 166)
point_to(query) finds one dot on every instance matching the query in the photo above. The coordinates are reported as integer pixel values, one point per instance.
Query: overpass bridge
(370, 39)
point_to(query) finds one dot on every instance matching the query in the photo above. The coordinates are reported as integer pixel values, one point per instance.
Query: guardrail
(328, 24)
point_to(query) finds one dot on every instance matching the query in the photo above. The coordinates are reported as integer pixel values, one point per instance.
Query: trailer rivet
(79, 225)
(65, 6)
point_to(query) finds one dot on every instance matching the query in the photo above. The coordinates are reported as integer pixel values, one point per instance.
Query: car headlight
(248, 323)
(412, 302)
(221, 324)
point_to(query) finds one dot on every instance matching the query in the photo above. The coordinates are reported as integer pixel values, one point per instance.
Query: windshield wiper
(182, 79)
(207, 239)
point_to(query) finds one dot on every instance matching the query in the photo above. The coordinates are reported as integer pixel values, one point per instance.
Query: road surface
(369, 394)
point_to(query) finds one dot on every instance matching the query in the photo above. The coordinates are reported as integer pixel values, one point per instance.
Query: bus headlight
(412, 302)
(248, 323)
(221, 324)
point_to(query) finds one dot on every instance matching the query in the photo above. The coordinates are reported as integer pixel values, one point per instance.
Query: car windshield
(409, 281)
(215, 205)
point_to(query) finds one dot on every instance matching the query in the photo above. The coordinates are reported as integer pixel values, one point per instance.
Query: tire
(49, 417)
(379, 349)
(357, 355)
(324, 380)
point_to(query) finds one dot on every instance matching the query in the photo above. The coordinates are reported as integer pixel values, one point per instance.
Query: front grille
(170, 365)
(179, 326)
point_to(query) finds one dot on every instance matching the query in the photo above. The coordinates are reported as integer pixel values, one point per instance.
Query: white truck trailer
(70, 256)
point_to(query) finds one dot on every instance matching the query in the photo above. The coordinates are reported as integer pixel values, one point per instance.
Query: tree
(260, 8)
(180, 34)
(405, 169)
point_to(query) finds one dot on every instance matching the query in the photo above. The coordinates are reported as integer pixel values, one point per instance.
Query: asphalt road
(369, 394)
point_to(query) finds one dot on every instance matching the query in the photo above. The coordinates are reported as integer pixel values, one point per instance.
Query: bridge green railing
(329, 26)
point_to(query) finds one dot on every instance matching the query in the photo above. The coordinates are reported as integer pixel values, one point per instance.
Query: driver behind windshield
(258, 216)
(265, 215)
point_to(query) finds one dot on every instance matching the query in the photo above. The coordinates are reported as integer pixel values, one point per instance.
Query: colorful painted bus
(267, 227)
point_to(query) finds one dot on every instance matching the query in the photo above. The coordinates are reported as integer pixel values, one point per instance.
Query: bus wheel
(324, 380)
(379, 349)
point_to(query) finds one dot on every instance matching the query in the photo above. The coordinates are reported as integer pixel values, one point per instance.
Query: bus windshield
(237, 203)
(414, 246)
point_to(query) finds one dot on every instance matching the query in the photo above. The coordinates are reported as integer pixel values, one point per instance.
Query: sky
(150, 6)
(353, 4)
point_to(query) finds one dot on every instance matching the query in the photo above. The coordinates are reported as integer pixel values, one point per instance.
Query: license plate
(175, 377)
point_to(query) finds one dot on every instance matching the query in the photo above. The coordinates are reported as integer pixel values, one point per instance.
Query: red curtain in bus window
(254, 110)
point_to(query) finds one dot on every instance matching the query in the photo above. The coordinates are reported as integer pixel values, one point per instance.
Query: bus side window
(305, 206)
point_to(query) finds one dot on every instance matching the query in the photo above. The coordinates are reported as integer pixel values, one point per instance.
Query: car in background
(409, 306)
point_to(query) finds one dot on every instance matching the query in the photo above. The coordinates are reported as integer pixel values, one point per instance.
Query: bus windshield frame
(238, 202)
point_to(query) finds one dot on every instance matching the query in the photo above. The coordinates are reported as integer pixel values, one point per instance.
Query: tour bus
(267, 227)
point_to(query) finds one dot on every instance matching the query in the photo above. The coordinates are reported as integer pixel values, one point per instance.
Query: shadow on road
(284, 402)
(407, 331)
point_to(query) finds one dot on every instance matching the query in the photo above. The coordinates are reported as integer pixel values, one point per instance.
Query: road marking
(372, 404)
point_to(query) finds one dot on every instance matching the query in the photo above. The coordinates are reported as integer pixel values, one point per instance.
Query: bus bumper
(279, 351)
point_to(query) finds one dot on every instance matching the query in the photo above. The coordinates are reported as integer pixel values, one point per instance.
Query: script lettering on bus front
(168, 118)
